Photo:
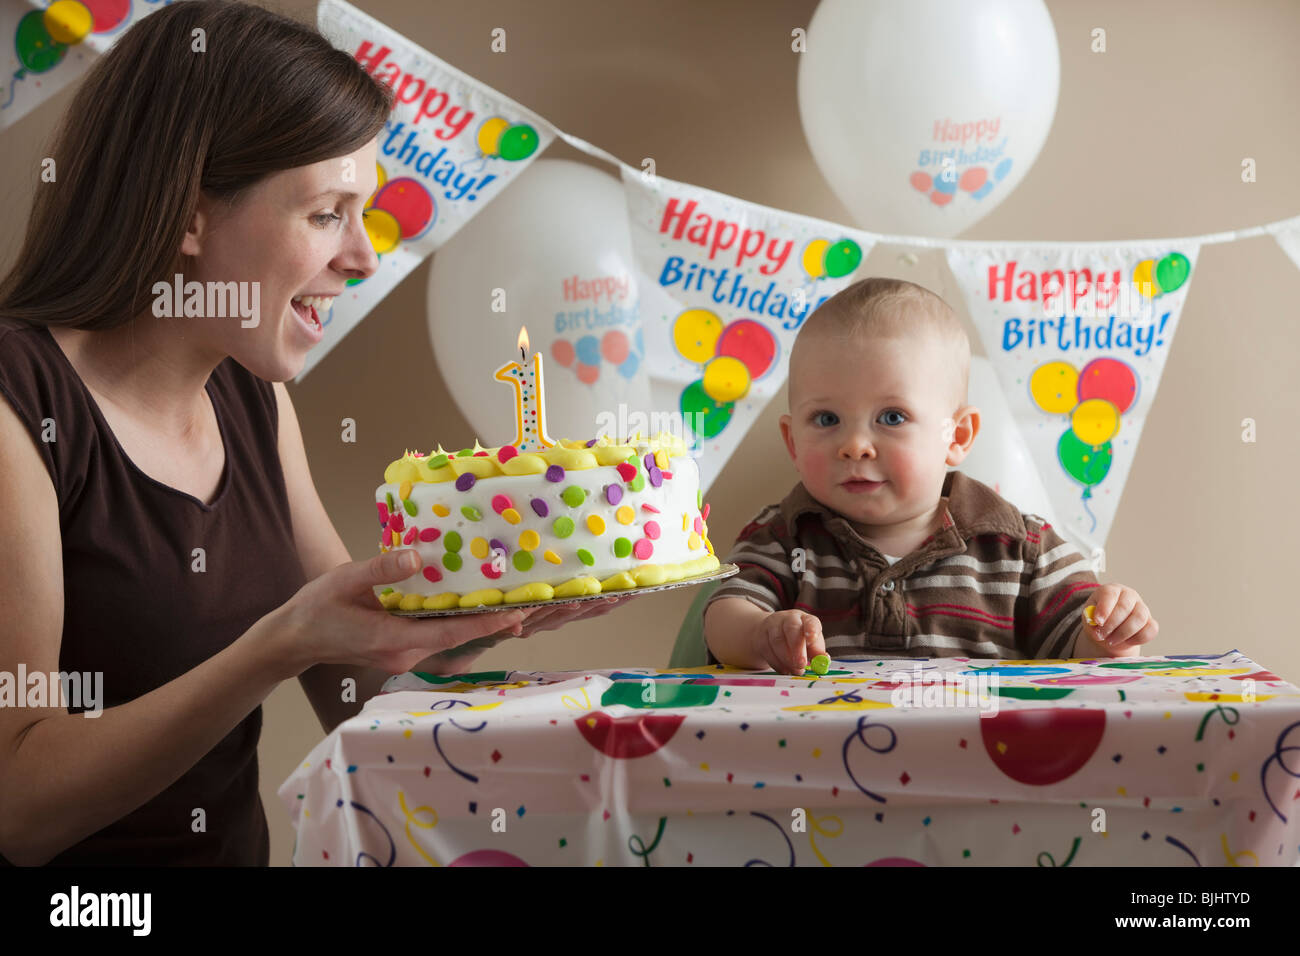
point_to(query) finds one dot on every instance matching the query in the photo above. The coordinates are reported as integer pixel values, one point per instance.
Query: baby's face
(871, 427)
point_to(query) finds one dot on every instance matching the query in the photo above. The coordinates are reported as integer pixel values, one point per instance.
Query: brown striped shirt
(992, 582)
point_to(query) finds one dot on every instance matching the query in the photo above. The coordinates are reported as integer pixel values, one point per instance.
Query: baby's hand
(1120, 621)
(787, 639)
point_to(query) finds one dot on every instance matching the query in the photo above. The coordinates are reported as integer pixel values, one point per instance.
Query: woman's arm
(319, 548)
(50, 760)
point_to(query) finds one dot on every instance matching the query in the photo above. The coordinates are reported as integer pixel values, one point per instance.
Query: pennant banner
(451, 144)
(48, 45)
(725, 285)
(1078, 335)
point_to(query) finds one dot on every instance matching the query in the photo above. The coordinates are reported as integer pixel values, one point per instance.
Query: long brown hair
(153, 124)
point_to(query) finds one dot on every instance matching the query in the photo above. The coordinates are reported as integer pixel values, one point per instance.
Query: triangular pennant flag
(725, 285)
(451, 144)
(1288, 237)
(1078, 335)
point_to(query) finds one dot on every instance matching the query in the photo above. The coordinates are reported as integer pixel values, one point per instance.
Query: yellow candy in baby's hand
(1089, 613)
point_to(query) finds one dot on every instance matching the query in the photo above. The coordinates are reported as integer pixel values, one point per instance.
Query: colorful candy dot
(465, 453)
(595, 524)
(404, 489)
(512, 516)
(551, 556)
(650, 508)
(466, 481)
(499, 545)
(383, 512)
(637, 483)
(693, 542)
(613, 494)
(573, 496)
(501, 502)
(453, 541)
(661, 458)
(411, 508)
(643, 549)
(626, 472)
(479, 547)
(523, 560)
(439, 461)
(648, 460)
(451, 561)
(705, 513)
(506, 452)
(555, 473)
(470, 512)
(489, 570)
(396, 522)
(585, 557)
(530, 540)
(441, 510)
(429, 534)
(699, 524)
(392, 505)
(432, 573)
(652, 530)
(563, 526)
(540, 508)
(699, 497)
(656, 476)
(410, 535)
(622, 547)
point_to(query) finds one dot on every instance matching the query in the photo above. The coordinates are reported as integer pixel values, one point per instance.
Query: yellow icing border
(643, 576)
(569, 454)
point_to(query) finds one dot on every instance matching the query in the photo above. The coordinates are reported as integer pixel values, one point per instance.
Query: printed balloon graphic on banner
(42, 39)
(551, 254)
(497, 138)
(1078, 336)
(399, 209)
(923, 116)
(732, 356)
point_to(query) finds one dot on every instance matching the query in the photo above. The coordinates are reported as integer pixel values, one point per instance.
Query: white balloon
(559, 231)
(887, 89)
(1000, 458)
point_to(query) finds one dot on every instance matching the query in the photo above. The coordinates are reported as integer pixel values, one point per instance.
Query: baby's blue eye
(825, 419)
(893, 411)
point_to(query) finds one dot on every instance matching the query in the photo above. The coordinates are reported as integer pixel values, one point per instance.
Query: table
(1168, 761)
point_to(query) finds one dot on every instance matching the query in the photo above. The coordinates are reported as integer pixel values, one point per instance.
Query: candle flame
(523, 339)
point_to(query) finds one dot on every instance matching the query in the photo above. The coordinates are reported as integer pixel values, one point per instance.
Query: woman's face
(297, 233)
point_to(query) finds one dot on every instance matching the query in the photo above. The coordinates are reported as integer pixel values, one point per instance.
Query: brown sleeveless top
(136, 607)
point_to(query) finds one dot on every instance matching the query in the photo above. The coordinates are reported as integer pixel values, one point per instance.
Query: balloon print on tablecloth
(1095, 397)
(42, 37)
(400, 209)
(628, 737)
(733, 357)
(1041, 747)
(585, 356)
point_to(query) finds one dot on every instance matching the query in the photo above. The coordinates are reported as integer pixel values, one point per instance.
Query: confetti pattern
(1169, 761)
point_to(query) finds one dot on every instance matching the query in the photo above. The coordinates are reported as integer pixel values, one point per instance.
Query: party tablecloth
(1167, 761)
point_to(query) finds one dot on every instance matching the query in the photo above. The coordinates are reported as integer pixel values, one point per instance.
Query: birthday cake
(500, 525)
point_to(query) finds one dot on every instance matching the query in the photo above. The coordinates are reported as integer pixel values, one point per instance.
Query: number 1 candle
(530, 402)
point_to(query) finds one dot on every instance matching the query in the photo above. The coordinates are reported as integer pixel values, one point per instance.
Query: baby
(879, 551)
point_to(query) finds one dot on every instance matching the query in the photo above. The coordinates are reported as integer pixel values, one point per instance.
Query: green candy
(820, 665)
(637, 483)
(386, 591)
(392, 505)
(410, 507)
(470, 512)
(465, 453)
(699, 497)
(523, 560)
(585, 557)
(451, 561)
(451, 541)
(563, 526)
(622, 547)
(573, 496)
(439, 461)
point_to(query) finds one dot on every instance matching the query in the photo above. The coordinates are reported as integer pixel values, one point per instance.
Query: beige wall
(1147, 142)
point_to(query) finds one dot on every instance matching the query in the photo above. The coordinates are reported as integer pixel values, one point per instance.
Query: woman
(158, 521)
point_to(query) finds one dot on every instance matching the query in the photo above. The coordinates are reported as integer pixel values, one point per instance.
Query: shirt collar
(970, 508)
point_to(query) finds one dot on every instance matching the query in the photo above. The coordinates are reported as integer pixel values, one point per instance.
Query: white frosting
(676, 497)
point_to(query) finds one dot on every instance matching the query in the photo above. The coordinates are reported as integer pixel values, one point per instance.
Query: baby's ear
(787, 435)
